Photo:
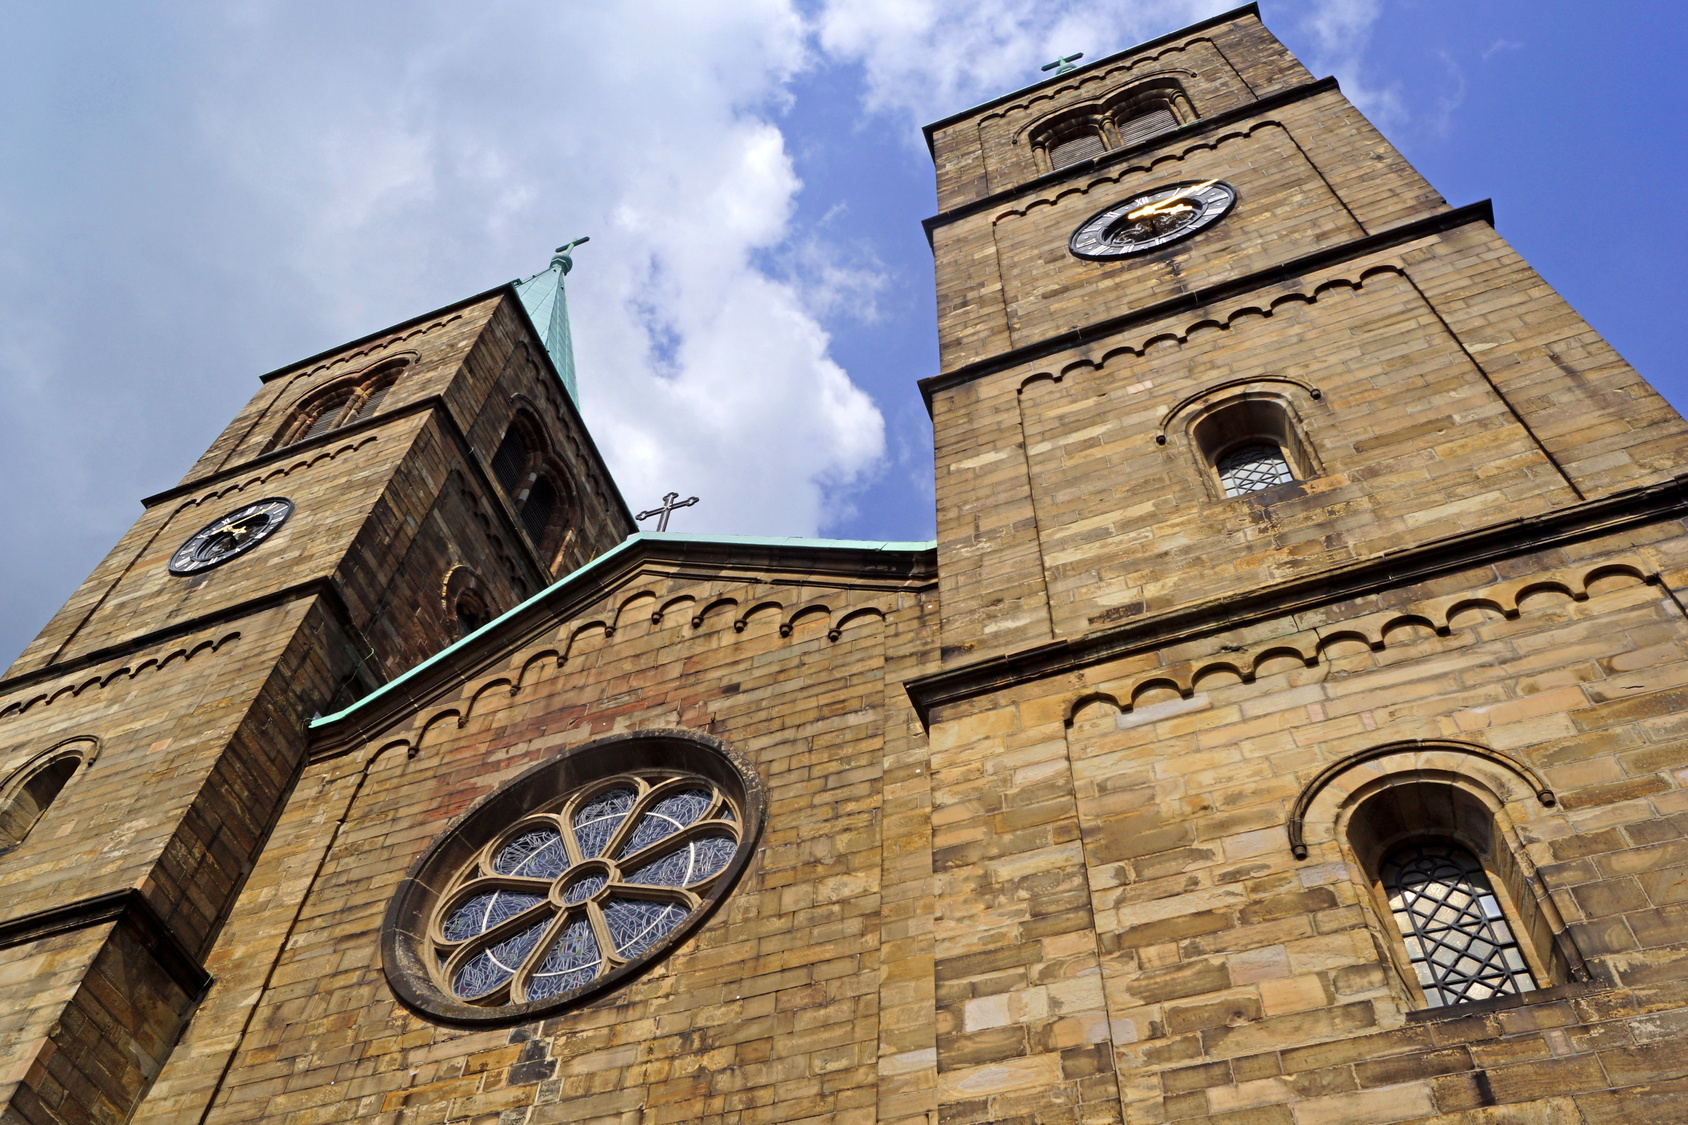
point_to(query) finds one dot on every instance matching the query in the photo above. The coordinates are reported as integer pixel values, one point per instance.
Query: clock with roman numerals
(1153, 219)
(230, 536)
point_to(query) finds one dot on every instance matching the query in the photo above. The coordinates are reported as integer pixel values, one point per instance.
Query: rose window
(562, 896)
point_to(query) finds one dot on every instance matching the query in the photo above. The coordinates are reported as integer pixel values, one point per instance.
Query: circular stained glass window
(574, 876)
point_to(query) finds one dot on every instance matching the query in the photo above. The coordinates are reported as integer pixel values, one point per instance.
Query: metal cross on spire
(669, 503)
(1064, 63)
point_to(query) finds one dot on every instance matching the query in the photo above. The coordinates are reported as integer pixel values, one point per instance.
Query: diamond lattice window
(1456, 935)
(1253, 467)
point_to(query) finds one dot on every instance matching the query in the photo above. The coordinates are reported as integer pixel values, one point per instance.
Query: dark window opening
(540, 507)
(509, 464)
(32, 798)
(471, 613)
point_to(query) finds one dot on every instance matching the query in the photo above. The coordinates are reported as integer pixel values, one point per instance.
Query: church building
(1288, 725)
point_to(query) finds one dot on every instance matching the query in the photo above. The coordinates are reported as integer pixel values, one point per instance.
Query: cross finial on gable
(1064, 63)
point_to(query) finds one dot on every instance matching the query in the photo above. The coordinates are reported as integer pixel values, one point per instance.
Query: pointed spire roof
(547, 305)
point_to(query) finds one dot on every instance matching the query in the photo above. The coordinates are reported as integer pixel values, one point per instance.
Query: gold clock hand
(1160, 206)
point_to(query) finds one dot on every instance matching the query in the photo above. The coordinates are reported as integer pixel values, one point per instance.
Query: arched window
(1129, 117)
(1464, 923)
(339, 405)
(1455, 932)
(1251, 443)
(26, 797)
(465, 599)
(534, 484)
(1146, 111)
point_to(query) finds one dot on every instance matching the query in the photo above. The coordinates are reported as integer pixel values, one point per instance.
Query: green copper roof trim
(545, 298)
(637, 538)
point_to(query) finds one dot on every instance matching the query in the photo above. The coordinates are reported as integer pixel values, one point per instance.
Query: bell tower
(1265, 477)
(369, 506)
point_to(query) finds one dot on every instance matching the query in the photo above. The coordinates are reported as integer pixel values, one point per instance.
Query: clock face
(1152, 219)
(230, 536)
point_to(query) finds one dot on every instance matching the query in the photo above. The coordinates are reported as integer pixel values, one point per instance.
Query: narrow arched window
(466, 604)
(1251, 443)
(28, 799)
(1456, 934)
(1466, 925)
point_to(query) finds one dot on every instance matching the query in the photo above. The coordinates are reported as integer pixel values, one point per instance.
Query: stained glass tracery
(1456, 934)
(572, 892)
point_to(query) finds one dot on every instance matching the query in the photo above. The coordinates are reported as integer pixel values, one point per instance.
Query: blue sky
(194, 194)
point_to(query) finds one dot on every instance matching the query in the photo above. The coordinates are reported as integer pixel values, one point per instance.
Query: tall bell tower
(1293, 534)
(369, 506)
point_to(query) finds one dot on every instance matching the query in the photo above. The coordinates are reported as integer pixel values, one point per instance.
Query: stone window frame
(346, 400)
(1104, 117)
(1439, 791)
(461, 587)
(40, 782)
(1221, 419)
(409, 935)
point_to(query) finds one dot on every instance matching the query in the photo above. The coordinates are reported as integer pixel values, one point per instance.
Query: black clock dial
(230, 536)
(1152, 219)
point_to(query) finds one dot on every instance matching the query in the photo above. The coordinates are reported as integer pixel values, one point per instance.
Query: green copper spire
(547, 305)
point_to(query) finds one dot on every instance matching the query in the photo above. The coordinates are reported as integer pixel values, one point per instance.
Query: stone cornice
(128, 907)
(1194, 129)
(1479, 212)
(1589, 519)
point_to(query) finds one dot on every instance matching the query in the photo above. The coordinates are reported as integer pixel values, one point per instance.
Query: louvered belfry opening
(1077, 148)
(1140, 128)
(327, 417)
(372, 401)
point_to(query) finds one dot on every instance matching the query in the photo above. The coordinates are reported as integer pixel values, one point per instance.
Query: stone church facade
(1285, 727)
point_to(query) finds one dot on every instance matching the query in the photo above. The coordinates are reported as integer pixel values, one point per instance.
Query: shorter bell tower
(369, 506)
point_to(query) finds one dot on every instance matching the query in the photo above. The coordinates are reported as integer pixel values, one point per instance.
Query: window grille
(1252, 468)
(1456, 935)
(1146, 125)
(1074, 149)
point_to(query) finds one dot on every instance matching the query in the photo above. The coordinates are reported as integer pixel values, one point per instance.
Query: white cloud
(1342, 31)
(928, 58)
